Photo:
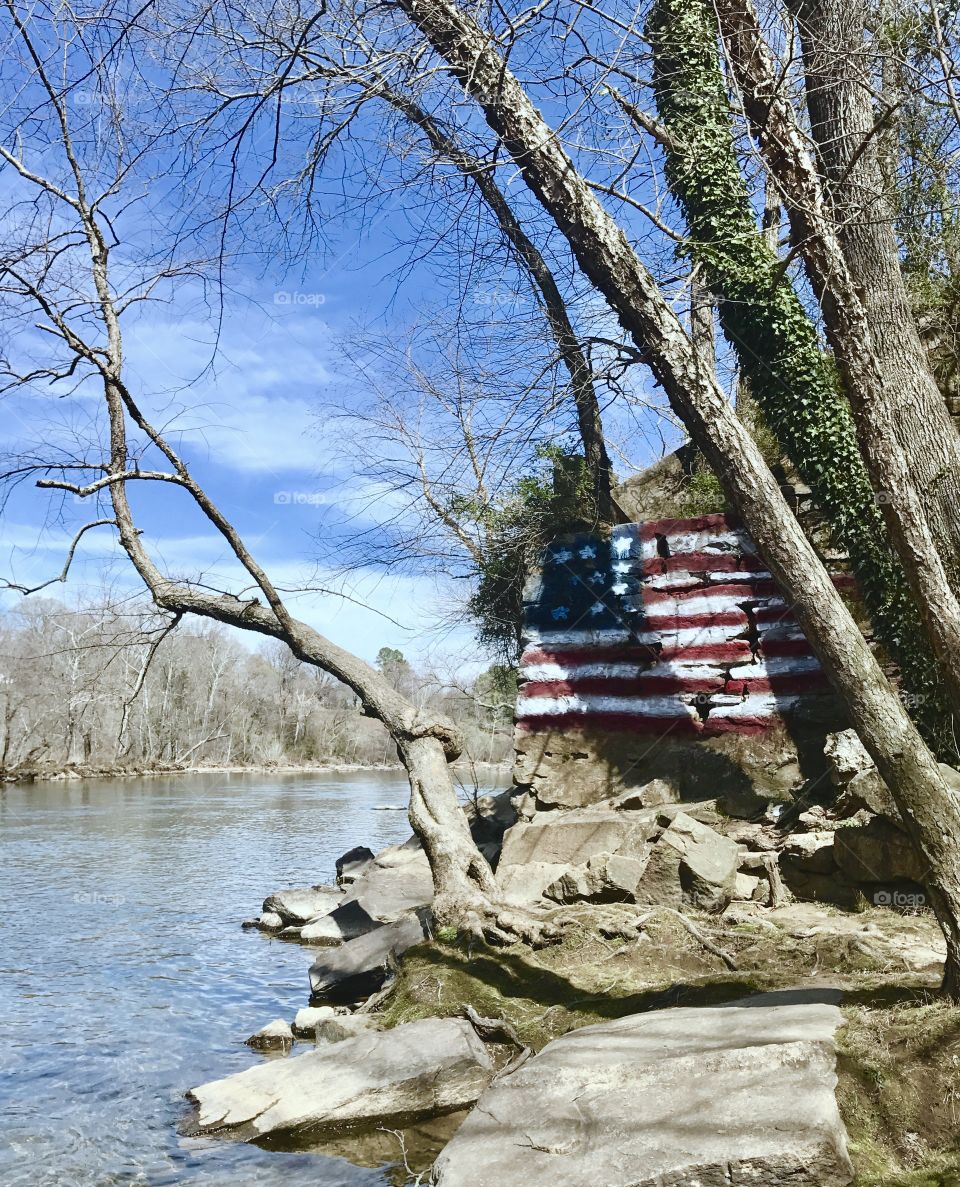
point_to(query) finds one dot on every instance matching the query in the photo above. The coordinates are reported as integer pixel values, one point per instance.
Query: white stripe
(688, 669)
(685, 607)
(604, 638)
(756, 705)
(634, 706)
(702, 636)
(709, 541)
(736, 578)
(776, 665)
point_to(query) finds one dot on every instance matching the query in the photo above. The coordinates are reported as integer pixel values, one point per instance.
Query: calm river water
(125, 978)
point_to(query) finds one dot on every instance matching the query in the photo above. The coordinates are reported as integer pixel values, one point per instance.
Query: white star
(621, 546)
(561, 612)
(596, 578)
(588, 552)
(563, 556)
(621, 567)
(597, 608)
(619, 588)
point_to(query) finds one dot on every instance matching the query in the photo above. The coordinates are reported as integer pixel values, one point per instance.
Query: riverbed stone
(396, 881)
(741, 1094)
(269, 921)
(302, 903)
(394, 1077)
(350, 864)
(692, 864)
(346, 1026)
(309, 1018)
(275, 1036)
(360, 967)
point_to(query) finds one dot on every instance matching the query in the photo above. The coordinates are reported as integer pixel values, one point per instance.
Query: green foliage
(554, 499)
(788, 375)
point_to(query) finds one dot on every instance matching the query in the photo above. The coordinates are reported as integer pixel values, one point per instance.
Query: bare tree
(83, 318)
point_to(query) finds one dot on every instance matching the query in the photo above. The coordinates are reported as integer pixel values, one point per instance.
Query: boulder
(866, 790)
(690, 863)
(605, 878)
(812, 852)
(295, 907)
(746, 888)
(651, 795)
(275, 1036)
(350, 865)
(392, 1077)
(846, 757)
(878, 852)
(309, 1018)
(681, 1096)
(538, 852)
(395, 882)
(358, 968)
(346, 1026)
(269, 921)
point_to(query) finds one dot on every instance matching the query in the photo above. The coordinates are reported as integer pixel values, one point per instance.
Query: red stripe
(730, 652)
(786, 684)
(673, 527)
(774, 647)
(680, 622)
(738, 725)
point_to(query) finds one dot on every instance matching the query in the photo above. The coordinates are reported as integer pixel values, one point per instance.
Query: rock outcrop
(358, 968)
(742, 1094)
(392, 1077)
(690, 864)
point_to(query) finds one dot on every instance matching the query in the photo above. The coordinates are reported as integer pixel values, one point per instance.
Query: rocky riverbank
(93, 771)
(732, 1000)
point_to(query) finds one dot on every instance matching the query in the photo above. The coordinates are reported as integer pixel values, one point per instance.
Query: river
(125, 977)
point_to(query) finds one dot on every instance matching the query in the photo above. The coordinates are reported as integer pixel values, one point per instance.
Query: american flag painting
(668, 626)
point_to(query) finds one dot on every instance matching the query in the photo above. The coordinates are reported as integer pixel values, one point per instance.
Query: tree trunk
(846, 130)
(608, 260)
(781, 358)
(875, 406)
(589, 420)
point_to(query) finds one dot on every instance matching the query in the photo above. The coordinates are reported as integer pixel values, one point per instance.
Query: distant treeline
(115, 688)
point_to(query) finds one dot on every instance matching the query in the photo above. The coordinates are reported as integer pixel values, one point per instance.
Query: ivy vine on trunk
(781, 360)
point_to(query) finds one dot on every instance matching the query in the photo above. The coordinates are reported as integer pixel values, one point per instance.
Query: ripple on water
(125, 978)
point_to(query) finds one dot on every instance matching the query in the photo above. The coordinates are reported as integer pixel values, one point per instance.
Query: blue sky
(248, 418)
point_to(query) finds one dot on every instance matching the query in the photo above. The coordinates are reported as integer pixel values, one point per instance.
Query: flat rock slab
(742, 1094)
(301, 903)
(358, 968)
(394, 1077)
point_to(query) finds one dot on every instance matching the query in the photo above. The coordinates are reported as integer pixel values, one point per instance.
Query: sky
(249, 418)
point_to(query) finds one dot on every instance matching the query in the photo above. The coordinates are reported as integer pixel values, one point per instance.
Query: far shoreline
(77, 774)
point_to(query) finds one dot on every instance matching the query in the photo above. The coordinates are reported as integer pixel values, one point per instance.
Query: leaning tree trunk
(845, 128)
(875, 405)
(608, 260)
(776, 344)
(427, 743)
